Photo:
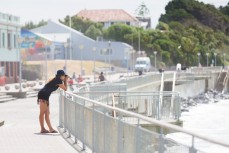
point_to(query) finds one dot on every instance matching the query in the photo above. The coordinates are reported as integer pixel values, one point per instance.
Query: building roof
(58, 31)
(106, 15)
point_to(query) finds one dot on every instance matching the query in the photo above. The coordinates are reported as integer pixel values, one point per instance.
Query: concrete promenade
(20, 133)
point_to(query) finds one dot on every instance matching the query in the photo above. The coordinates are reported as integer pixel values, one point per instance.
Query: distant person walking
(74, 76)
(101, 77)
(59, 81)
(79, 79)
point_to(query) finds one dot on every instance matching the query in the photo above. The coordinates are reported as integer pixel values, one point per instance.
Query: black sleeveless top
(46, 91)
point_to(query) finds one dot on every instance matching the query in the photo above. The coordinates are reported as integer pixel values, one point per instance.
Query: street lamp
(109, 52)
(133, 52)
(104, 52)
(215, 58)
(46, 60)
(198, 54)
(94, 51)
(65, 56)
(19, 53)
(81, 47)
(155, 57)
(207, 58)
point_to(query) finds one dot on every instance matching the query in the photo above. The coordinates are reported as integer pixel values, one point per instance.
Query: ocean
(211, 120)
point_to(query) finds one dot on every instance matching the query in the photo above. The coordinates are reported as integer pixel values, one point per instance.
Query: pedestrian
(101, 77)
(74, 76)
(79, 79)
(59, 81)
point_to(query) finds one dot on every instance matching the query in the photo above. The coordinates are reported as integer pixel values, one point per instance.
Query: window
(15, 42)
(7, 68)
(11, 69)
(106, 51)
(9, 41)
(3, 40)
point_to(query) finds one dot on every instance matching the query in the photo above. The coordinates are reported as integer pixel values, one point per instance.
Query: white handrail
(154, 121)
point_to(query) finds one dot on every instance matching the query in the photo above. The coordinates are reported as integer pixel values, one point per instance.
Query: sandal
(45, 131)
(54, 131)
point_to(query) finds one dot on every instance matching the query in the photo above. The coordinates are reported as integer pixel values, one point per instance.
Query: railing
(103, 86)
(145, 80)
(159, 105)
(91, 124)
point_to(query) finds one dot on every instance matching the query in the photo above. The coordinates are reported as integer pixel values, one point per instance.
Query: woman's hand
(66, 78)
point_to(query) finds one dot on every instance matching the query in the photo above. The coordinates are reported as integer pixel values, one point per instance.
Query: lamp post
(207, 58)
(19, 53)
(65, 56)
(109, 54)
(133, 52)
(215, 58)
(94, 52)
(155, 57)
(81, 47)
(198, 54)
(46, 60)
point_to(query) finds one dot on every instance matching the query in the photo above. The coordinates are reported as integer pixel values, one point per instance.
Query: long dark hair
(50, 80)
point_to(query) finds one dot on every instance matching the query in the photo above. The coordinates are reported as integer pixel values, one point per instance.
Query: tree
(93, 32)
(80, 24)
(117, 32)
(142, 10)
(31, 25)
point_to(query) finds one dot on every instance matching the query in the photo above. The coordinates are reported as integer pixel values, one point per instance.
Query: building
(9, 48)
(77, 46)
(108, 17)
(145, 22)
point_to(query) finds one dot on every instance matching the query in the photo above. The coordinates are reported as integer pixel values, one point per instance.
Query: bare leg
(43, 109)
(47, 119)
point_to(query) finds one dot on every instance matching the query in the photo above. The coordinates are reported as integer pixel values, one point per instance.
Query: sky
(36, 10)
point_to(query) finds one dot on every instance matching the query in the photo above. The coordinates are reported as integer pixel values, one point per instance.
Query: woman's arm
(64, 86)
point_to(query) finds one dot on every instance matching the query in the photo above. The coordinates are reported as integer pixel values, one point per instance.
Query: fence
(159, 105)
(90, 122)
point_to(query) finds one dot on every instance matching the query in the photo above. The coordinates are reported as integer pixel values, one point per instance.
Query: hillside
(185, 11)
(195, 28)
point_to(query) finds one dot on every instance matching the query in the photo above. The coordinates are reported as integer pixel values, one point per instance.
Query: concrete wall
(197, 87)
(189, 89)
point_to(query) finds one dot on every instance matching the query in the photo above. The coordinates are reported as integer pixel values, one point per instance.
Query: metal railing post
(93, 133)
(65, 120)
(104, 137)
(60, 109)
(137, 137)
(84, 135)
(192, 149)
(161, 141)
(74, 99)
(120, 136)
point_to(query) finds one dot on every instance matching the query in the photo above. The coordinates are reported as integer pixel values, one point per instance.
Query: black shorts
(42, 95)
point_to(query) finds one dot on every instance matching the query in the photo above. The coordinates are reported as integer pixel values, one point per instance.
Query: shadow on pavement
(48, 134)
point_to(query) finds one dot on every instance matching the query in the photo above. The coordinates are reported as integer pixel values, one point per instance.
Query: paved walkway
(20, 133)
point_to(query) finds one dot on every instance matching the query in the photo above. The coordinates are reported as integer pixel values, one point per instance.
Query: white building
(9, 52)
